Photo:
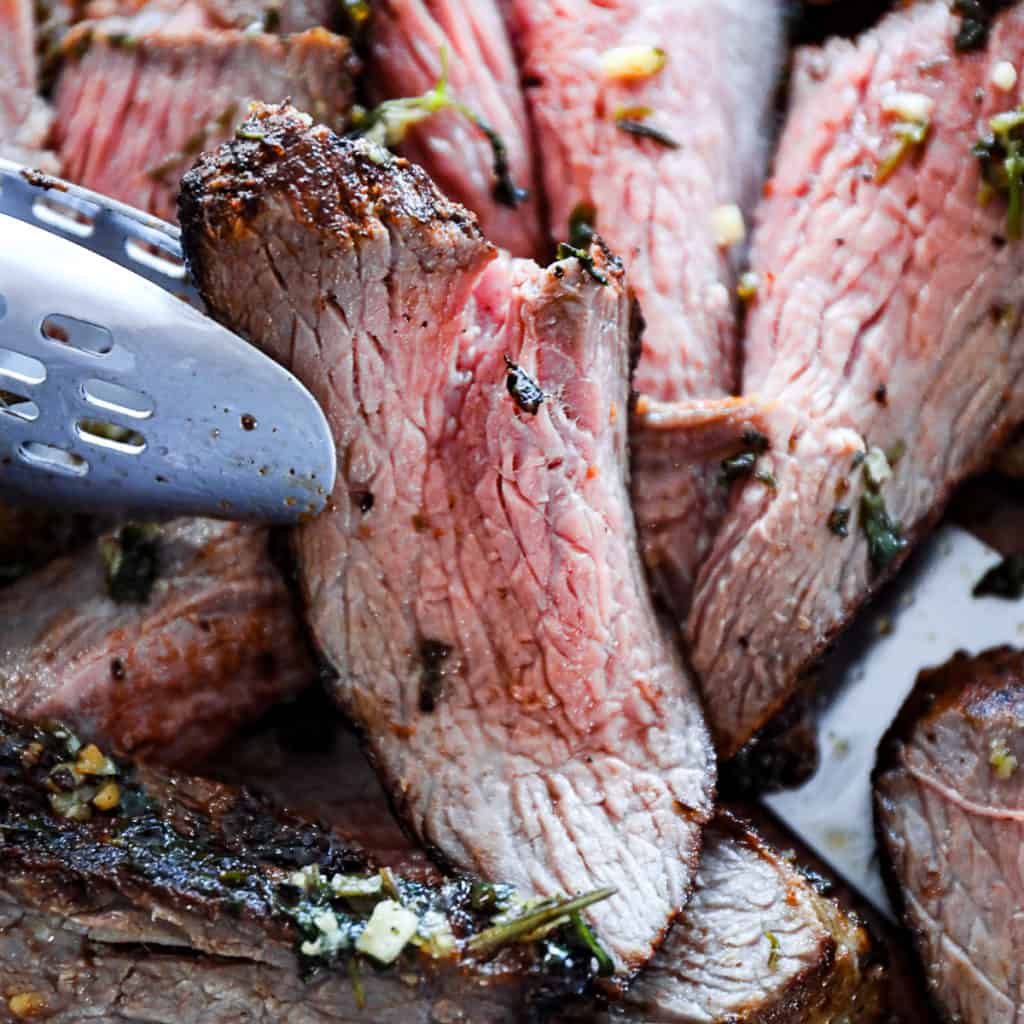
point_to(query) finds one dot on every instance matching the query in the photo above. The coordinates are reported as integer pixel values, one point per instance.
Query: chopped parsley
(1001, 154)
(773, 949)
(975, 22)
(1004, 580)
(566, 251)
(839, 521)
(527, 393)
(885, 539)
(388, 123)
(582, 225)
(633, 121)
(738, 466)
(909, 137)
(131, 560)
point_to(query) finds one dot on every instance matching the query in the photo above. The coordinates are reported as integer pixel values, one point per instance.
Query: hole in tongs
(19, 406)
(48, 456)
(79, 334)
(111, 436)
(66, 213)
(153, 255)
(118, 399)
(25, 369)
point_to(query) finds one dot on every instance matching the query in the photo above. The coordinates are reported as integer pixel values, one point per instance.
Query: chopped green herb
(773, 951)
(755, 441)
(523, 388)
(975, 22)
(737, 466)
(131, 560)
(639, 127)
(524, 927)
(388, 123)
(566, 252)
(839, 521)
(356, 981)
(582, 226)
(1003, 763)
(1001, 154)
(885, 540)
(762, 476)
(1004, 580)
(909, 135)
(243, 131)
(896, 451)
(605, 967)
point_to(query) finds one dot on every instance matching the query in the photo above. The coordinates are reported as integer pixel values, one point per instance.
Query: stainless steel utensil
(926, 616)
(116, 393)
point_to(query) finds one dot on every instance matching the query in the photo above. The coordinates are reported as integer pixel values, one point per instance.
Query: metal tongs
(117, 393)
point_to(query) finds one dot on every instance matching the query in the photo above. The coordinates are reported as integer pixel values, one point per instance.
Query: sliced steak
(949, 806)
(888, 318)
(185, 901)
(406, 39)
(160, 642)
(136, 103)
(475, 580)
(24, 117)
(757, 942)
(282, 16)
(655, 199)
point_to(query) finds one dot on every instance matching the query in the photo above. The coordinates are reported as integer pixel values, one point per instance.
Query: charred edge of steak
(848, 982)
(974, 685)
(204, 848)
(335, 185)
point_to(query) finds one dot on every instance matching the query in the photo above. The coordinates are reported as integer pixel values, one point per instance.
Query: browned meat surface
(24, 117)
(475, 582)
(405, 41)
(167, 673)
(137, 100)
(949, 806)
(656, 201)
(888, 319)
(757, 941)
(140, 897)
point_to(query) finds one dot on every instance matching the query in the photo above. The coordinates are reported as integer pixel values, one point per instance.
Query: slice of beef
(475, 580)
(189, 901)
(24, 117)
(888, 318)
(949, 807)
(757, 942)
(655, 201)
(405, 42)
(137, 100)
(159, 641)
(283, 16)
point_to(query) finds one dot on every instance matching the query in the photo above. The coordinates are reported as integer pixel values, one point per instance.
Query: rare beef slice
(886, 331)
(652, 122)
(407, 41)
(158, 641)
(949, 807)
(139, 97)
(475, 580)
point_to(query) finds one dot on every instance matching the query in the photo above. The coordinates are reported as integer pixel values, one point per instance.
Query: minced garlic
(727, 225)
(632, 62)
(1003, 763)
(389, 929)
(909, 106)
(1003, 76)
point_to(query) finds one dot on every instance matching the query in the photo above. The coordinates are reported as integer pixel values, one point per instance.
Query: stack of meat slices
(478, 584)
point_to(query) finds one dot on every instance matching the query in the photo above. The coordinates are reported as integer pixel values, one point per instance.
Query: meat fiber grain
(405, 41)
(656, 202)
(949, 806)
(889, 318)
(475, 582)
(140, 97)
(167, 673)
